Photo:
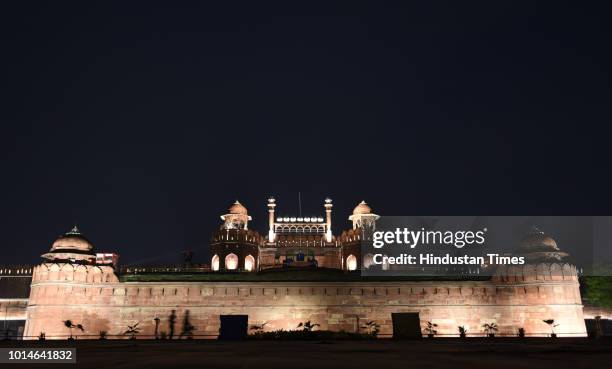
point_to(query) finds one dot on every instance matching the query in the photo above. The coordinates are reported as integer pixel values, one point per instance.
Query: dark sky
(143, 121)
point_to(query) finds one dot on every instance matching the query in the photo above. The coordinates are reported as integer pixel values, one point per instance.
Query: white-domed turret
(237, 208)
(72, 246)
(538, 241)
(363, 217)
(72, 240)
(538, 246)
(237, 217)
(362, 208)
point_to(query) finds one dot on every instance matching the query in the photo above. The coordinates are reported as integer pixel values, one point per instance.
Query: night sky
(143, 122)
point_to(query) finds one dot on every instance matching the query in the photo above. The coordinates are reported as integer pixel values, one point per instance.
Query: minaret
(328, 206)
(271, 206)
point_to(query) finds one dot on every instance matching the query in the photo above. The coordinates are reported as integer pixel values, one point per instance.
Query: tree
(132, 331)
(598, 290)
(490, 329)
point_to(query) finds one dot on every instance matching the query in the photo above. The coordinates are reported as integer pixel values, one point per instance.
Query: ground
(473, 353)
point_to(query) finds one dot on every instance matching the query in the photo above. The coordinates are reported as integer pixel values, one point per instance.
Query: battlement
(536, 272)
(16, 270)
(237, 236)
(304, 241)
(66, 272)
(351, 235)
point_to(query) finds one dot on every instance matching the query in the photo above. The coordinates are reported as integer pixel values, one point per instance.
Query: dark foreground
(382, 354)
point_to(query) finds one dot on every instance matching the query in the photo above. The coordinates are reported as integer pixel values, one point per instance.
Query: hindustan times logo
(404, 236)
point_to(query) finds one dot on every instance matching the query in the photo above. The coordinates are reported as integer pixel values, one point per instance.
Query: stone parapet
(535, 272)
(110, 306)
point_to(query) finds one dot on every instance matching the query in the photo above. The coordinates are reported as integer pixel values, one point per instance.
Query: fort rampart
(95, 297)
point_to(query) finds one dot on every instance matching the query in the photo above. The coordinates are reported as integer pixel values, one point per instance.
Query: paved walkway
(498, 353)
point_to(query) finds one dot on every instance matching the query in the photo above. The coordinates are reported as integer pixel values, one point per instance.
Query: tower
(234, 247)
(328, 208)
(548, 273)
(271, 206)
(364, 223)
(69, 266)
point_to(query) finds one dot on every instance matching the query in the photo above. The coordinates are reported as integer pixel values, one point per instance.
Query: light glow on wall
(351, 262)
(231, 262)
(368, 260)
(249, 263)
(215, 263)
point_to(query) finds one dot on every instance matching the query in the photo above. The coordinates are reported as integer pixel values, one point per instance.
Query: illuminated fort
(298, 271)
(290, 241)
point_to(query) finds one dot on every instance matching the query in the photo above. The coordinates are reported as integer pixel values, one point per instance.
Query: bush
(301, 335)
(598, 290)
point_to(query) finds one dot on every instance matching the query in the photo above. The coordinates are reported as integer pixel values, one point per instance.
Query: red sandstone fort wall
(13, 309)
(94, 297)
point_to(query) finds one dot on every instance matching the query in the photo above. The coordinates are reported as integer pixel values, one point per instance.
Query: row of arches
(300, 229)
(231, 262)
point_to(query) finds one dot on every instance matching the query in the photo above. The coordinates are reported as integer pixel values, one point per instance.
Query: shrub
(490, 329)
(431, 329)
(552, 325)
(372, 328)
(303, 335)
(462, 331)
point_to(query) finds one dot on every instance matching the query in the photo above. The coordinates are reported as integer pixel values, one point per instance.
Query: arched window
(351, 262)
(214, 264)
(385, 265)
(368, 260)
(249, 263)
(231, 262)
